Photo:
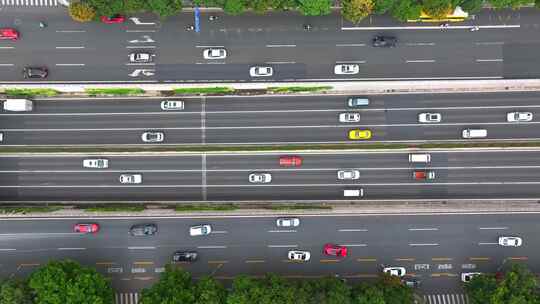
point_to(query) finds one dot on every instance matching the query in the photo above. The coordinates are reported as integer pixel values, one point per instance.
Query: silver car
(429, 117)
(349, 117)
(130, 178)
(519, 116)
(348, 174)
(261, 71)
(171, 105)
(288, 222)
(260, 178)
(96, 163)
(200, 230)
(346, 69)
(510, 241)
(141, 57)
(217, 53)
(299, 255)
(150, 137)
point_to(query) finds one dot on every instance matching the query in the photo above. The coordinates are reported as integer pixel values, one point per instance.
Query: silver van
(353, 192)
(354, 102)
(474, 133)
(419, 158)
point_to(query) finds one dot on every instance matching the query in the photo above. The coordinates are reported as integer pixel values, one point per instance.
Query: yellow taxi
(359, 134)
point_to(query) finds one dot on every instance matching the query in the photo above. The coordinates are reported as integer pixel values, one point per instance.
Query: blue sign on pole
(197, 19)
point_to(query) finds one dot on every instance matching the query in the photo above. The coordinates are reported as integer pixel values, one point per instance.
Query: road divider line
(143, 278)
(141, 248)
(437, 27)
(493, 228)
(203, 177)
(423, 229)
(71, 248)
(481, 244)
(420, 61)
(490, 43)
(366, 260)
(6, 64)
(423, 244)
(141, 31)
(354, 245)
(479, 258)
(329, 261)
(29, 264)
(8, 249)
(212, 247)
(105, 263)
(404, 259)
(218, 262)
(143, 263)
(441, 259)
(140, 47)
(219, 232)
(282, 246)
(281, 231)
(489, 60)
(518, 258)
(254, 261)
(150, 63)
(351, 61)
(209, 46)
(281, 45)
(7, 47)
(350, 44)
(352, 230)
(443, 274)
(70, 64)
(71, 31)
(70, 47)
(274, 62)
(421, 44)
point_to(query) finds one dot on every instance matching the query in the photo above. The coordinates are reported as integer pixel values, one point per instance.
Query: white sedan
(519, 116)
(510, 241)
(288, 222)
(130, 178)
(349, 117)
(96, 163)
(298, 255)
(261, 71)
(152, 136)
(349, 174)
(260, 178)
(172, 105)
(346, 69)
(200, 230)
(429, 117)
(466, 277)
(395, 271)
(218, 53)
(141, 57)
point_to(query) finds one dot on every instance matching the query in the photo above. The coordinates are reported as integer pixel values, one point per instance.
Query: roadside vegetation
(31, 92)
(115, 208)
(28, 209)
(208, 90)
(114, 91)
(205, 207)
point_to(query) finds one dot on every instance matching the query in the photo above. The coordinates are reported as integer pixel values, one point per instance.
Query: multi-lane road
(469, 174)
(268, 120)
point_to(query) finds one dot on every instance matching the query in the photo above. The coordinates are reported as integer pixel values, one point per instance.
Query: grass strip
(205, 207)
(29, 209)
(208, 90)
(31, 92)
(298, 207)
(297, 89)
(114, 91)
(115, 208)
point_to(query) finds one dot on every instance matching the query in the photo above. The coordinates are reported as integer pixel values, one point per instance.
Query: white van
(18, 105)
(474, 133)
(353, 192)
(419, 158)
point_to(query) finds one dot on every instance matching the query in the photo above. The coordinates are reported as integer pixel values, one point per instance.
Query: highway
(268, 120)
(466, 174)
(435, 248)
(95, 52)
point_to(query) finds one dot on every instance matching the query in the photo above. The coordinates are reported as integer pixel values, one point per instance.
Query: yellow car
(359, 134)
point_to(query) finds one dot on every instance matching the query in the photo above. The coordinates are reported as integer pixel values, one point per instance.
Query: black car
(185, 256)
(384, 41)
(410, 281)
(35, 72)
(143, 230)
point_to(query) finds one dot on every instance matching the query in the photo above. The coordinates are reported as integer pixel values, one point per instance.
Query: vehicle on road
(355, 102)
(1, 137)
(200, 230)
(466, 277)
(290, 161)
(86, 228)
(384, 41)
(9, 34)
(215, 53)
(151, 137)
(334, 250)
(423, 174)
(299, 255)
(359, 134)
(419, 158)
(519, 116)
(348, 174)
(395, 271)
(129, 178)
(411, 282)
(18, 105)
(96, 163)
(288, 222)
(349, 117)
(429, 117)
(474, 133)
(172, 105)
(260, 178)
(143, 230)
(510, 241)
(185, 256)
(117, 18)
(346, 69)
(35, 72)
(353, 192)
(141, 57)
(261, 71)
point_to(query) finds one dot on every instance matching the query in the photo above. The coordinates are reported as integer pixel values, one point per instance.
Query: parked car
(35, 72)
(423, 174)
(384, 41)
(395, 271)
(429, 117)
(9, 34)
(171, 105)
(348, 174)
(143, 230)
(346, 69)
(215, 53)
(185, 256)
(519, 116)
(466, 277)
(288, 222)
(130, 178)
(510, 241)
(151, 137)
(86, 228)
(117, 18)
(349, 117)
(200, 230)
(261, 71)
(335, 250)
(290, 161)
(260, 178)
(96, 163)
(299, 255)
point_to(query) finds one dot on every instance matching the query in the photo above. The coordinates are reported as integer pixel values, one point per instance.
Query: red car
(9, 34)
(423, 174)
(290, 161)
(335, 250)
(113, 19)
(86, 228)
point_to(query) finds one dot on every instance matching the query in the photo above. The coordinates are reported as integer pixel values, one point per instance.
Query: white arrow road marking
(137, 21)
(146, 39)
(144, 72)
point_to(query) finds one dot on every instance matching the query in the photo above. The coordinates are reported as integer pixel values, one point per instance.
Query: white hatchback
(349, 117)
(96, 163)
(395, 271)
(299, 255)
(510, 241)
(346, 69)
(168, 105)
(260, 178)
(261, 71)
(349, 174)
(288, 222)
(130, 178)
(150, 137)
(519, 116)
(200, 230)
(218, 53)
(429, 117)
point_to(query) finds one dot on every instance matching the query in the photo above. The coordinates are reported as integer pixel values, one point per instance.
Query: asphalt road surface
(434, 248)
(505, 47)
(269, 120)
(491, 174)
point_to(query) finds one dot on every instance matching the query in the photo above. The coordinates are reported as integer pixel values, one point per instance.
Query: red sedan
(9, 34)
(335, 250)
(86, 228)
(290, 161)
(113, 19)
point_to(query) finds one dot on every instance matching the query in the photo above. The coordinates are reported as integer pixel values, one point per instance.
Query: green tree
(367, 294)
(234, 7)
(437, 8)
(209, 291)
(314, 7)
(82, 12)
(356, 10)
(174, 286)
(245, 290)
(260, 6)
(165, 8)
(15, 292)
(508, 3)
(67, 282)
(106, 7)
(382, 6)
(135, 6)
(284, 4)
(537, 3)
(471, 6)
(404, 10)
(394, 292)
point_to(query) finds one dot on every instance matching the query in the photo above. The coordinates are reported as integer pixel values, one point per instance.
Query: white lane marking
(71, 248)
(39, 234)
(211, 247)
(493, 228)
(351, 44)
(7, 249)
(468, 27)
(490, 43)
(71, 31)
(351, 61)
(276, 62)
(140, 47)
(423, 229)
(141, 31)
(280, 45)
(488, 244)
(149, 63)
(420, 44)
(352, 230)
(282, 246)
(7, 47)
(280, 231)
(209, 46)
(6, 64)
(141, 248)
(423, 244)
(489, 60)
(219, 232)
(420, 61)
(354, 245)
(70, 64)
(70, 47)
(203, 174)
(203, 120)
(210, 62)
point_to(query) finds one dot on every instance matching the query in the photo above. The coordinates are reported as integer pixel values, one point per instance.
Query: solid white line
(210, 62)
(282, 246)
(420, 61)
(70, 47)
(489, 60)
(488, 244)
(279, 231)
(490, 43)
(421, 44)
(354, 245)
(493, 228)
(7, 249)
(468, 27)
(6, 64)
(423, 229)
(351, 44)
(141, 31)
(280, 45)
(71, 31)
(352, 230)
(69, 64)
(219, 232)
(67, 248)
(211, 247)
(203, 179)
(209, 46)
(424, 244)
(140, 47)
(150, 63)
(141, 248)
(7, 47)
(279, 62)
(351, 61)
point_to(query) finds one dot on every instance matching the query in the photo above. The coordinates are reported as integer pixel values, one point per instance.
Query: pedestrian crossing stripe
(446, 299)
(29, 2)
(127, 298)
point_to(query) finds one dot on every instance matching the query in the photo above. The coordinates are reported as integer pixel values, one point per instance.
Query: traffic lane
(486, 158)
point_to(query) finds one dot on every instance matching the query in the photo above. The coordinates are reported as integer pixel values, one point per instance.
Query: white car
(395, 271)
(168, 105)
(349, 174)
(429, 117)
(97, 163)
(288, 222)
(141, 57)
(261, 71)
(130, 178)
(218, 53)
(510, 241)
(346, 69)
(152, 136)
(200, 230)
(349, 117)
(298, 255)
(519, 116)
(466, 277)
(1, 137)
(260, 178)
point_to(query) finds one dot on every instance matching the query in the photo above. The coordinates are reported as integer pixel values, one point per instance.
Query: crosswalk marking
(446, 299)
(127, 298)
(29, 2)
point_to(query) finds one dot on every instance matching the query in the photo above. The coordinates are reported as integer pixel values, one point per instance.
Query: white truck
(18, 105)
